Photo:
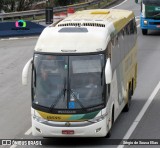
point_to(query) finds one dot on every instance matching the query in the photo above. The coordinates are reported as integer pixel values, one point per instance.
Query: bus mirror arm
(108, 72)
(25, 72)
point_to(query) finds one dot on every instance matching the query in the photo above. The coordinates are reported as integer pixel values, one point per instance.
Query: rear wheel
(127, 106)
(144, 31)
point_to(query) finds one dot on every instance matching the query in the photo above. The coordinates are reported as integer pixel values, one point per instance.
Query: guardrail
(55, 10)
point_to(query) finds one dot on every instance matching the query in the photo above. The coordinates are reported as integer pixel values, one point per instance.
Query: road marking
(141, 114)
(29, 131)
(137, 19)
(13, 38)
(138, 25)
(20, 38)
(13, 146)
(119, 4)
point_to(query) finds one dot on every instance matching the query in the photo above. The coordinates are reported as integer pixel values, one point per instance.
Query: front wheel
(144, 31)
(112, 121)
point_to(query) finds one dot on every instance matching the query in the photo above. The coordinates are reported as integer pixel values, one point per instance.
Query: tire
(127, 106)
(132, 89)
(144, 31)
(109, 132)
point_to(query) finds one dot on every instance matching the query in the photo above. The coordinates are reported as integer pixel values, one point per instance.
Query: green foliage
(64, 2)
(7, 5)
(16, 5)
(22, 5)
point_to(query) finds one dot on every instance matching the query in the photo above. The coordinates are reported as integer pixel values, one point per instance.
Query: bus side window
(116, 41)
(109, 48)
(126, 40)
(121, 44)
(122, 34)
(108, 90)
(132, 27)
(128, 29)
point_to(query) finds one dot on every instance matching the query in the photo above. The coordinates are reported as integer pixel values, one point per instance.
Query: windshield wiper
(59, 97)
(157, 14)
(77, 100)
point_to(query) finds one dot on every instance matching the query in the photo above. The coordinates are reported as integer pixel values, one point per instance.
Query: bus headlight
(39, 119)
(98, 119)
(145, 22)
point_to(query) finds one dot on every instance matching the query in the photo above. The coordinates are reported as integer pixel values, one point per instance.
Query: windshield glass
(152, 2)
(50, 73)
(86, 80)
(68, 82)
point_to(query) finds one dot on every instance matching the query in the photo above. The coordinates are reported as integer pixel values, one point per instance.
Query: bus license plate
(68, 132)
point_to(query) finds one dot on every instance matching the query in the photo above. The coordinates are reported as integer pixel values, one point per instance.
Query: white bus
(84, 72)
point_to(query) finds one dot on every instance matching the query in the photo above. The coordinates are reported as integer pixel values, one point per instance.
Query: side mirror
(25, 72)
(108, 72)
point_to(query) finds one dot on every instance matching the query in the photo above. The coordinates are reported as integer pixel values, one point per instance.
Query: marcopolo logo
(20, 24)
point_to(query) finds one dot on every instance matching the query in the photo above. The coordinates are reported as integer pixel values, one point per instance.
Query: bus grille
(83, 24)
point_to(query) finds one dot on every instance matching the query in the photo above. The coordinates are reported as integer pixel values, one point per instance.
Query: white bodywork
(94, 40)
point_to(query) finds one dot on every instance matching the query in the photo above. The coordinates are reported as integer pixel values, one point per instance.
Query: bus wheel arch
(111, 123)
(127, 106)
(132, 87)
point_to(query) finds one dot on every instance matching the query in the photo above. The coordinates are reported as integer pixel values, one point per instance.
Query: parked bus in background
(150, 15)
(84, 72)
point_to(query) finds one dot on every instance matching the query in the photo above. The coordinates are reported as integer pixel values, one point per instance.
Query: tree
(16, 5)
(64, 2)
(24, 4)
(7, 5)
(1, 5)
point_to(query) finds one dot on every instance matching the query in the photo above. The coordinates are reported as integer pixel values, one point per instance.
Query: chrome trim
(63, 124)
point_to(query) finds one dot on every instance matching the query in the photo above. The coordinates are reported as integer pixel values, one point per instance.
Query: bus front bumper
(150, 24)
(98, 129)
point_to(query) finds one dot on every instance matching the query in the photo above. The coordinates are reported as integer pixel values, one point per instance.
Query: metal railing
(55, 10)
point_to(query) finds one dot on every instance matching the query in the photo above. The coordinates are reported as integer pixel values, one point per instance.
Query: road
(15, 99)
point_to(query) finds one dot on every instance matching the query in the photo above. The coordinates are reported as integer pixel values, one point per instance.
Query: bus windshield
(152, 2)
(68, 82)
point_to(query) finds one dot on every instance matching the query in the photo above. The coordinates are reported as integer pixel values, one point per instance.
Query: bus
(150, 15)
(84, 73)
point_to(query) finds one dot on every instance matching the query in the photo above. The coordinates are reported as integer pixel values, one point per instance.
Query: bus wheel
(108, 134)
(127, 106)
(112, 121)
(144, 31)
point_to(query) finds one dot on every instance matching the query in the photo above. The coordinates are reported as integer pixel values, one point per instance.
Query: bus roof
(84, 31)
